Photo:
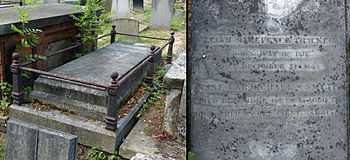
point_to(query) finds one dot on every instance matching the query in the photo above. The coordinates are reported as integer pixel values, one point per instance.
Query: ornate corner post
(111, 117)
(113, 34)
(16, 79)
(170, 48)
(150, 74)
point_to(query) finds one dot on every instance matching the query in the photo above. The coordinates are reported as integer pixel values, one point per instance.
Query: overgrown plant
(157, 90)
(28, 35)
(95, 154)
(91, 23)
(6, 99)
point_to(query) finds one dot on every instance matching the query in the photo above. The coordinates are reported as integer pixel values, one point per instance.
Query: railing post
(16, 79)
(113, 34)
(150, 73)
(170, 48)
(111, 117)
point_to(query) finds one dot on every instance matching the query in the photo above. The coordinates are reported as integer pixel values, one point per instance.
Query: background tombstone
(127, 25)
(121, 8)
(162, 12)
(138, 5)
(55, 145)
(269, 80)
(51, 1)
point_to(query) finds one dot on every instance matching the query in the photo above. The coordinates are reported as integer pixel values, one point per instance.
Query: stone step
(80, 108)
(89, 132)
(95, 67)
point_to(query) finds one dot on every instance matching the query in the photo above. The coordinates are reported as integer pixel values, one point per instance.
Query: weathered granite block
(172, 103)
(176, 74)
(269, 80)
(90, 132)
(56, 145)
(21, 140)
(181, 118)
(95, 67)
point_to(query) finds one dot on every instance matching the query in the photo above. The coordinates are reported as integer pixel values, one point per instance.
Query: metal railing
(111, 117)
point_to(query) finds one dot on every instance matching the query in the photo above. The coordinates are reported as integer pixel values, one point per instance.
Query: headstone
(269, 80)
(162, 12)
(138, 5)
(51, 1)
(26, 141)
(21, 141)
(121, 8)
(127, 25)
(55, 145)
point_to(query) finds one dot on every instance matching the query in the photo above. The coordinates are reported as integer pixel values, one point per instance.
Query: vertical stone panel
(269, 80)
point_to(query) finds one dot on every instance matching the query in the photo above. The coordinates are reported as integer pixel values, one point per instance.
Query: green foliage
(191, 156)
(6, 98)
(29, 36)
(95, 154)
(91, 23)
(158, 89)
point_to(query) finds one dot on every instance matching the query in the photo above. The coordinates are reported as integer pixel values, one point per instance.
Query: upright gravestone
(269, 80)
(51, 1)
(162, 12)
(137, 5)
(121, 8)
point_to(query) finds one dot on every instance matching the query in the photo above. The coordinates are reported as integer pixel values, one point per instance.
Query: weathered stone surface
(21, 140)
(138, 142)
(41, 15)
(139, 156)
(95, 67)
(90, 133)
(121, 8)
(127, 25)
(176, 74)
(172, 105)
(162, 12)
(137, 5)
(269, 80)
(56, 145)
(181, 117)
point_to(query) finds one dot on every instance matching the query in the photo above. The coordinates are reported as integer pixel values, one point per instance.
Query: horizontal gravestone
(269, 80)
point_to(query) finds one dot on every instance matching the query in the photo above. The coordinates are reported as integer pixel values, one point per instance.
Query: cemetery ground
(151, 121)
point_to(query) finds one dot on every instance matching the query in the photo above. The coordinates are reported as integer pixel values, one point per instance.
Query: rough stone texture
(40, 15)
(90, 133)
(176, 74)
(127, 25)
(21, 140)
(138, 142)
(121, 8)
(95, 67)
(181, 117)
(55, 145)
(175, 114)
(54, 61)
(162, 12)
(139, 156)
(172, 105)
(269, 80)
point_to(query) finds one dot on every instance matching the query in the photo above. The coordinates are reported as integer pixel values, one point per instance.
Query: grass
(178, 24)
